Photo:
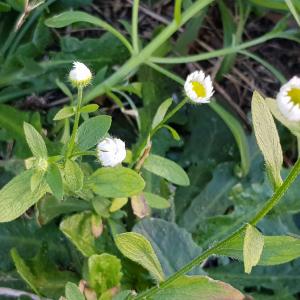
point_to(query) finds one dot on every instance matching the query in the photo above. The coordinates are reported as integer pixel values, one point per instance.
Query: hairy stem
(213, 250)
(76, 123)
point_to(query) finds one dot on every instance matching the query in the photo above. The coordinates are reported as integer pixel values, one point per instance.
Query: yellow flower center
(295, 96)
(199, 89)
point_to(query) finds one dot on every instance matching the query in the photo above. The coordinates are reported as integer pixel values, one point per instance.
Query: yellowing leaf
(253, 247)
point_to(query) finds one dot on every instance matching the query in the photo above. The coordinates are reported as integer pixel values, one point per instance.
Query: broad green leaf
(89, 108)
(72, 292)
(163, 236)
(54, 180)
(35, 141)
(64, 113)
(104, 272)
(92, 131)
(44, 277)
(101, 206)
(167, 169)
(49, 207)
(116, 182)
(137, 248)
(18, 5)
(117, 204)
(16, 196)
(156, 201)
(73, 175)
(37, 179)
(161, 112)
(276, 250)
(267, 138)
(198, 288)
(252, 248)
(78, 228)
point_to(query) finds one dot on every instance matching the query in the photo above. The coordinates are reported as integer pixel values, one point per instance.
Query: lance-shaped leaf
(267, 138)
(161, 112)
(137, 248)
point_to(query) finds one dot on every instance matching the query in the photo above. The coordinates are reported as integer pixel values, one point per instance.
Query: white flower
(111, 152)
(80, 75)
(198, 87)
(288, 99)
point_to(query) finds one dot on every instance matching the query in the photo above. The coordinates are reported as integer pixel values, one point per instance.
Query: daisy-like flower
(111, 152)
(198, 87)
(80, 75)
(288, 99)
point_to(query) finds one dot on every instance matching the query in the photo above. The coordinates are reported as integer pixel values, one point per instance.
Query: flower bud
(198, 87)
(111, 152)
(288, 99)
(80, 75)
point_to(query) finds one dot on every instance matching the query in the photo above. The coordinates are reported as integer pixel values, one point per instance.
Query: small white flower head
(198, 87)
(111, 152)
(288, 99)
(80, 75)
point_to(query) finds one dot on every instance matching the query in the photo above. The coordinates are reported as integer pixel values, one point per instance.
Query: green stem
(169, 115)
(213, 250)
(216, 53)
(76, 123)
(133, 63)
(134, 25)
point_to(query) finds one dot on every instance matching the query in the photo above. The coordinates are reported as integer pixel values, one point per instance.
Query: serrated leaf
(78, 228)
(156, 201)
(198, 288)
(137, 248)
(116, 182)
(267, 138)
(161, 112)
(104, 272)
(54, 180)
(16, 196)
(92, 131)
(72, 292)
(35, 141)
(167, 169)
(64, 113)
(73, 175)
(89, 108)
(252, 248)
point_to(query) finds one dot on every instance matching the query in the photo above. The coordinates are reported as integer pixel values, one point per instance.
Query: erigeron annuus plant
(97, 198)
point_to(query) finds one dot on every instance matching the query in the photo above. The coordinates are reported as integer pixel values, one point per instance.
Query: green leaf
(163, 236)
(4, 7)
(41, 275)
(137, 248)
(104, 272)
(16, 196)
(167, 169)
(92, 131)
(156, 201)
(252, 248)
(89, 108)
(161, 112)
(174, 133)
(198, 288)
(72, 292)
(276, 250)
(64, 113)
(54, 180)
(50, 207)
(116, 182)
(78, 228)
(63, 87)
(35, 141)
(73, 176)
(267, 138)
